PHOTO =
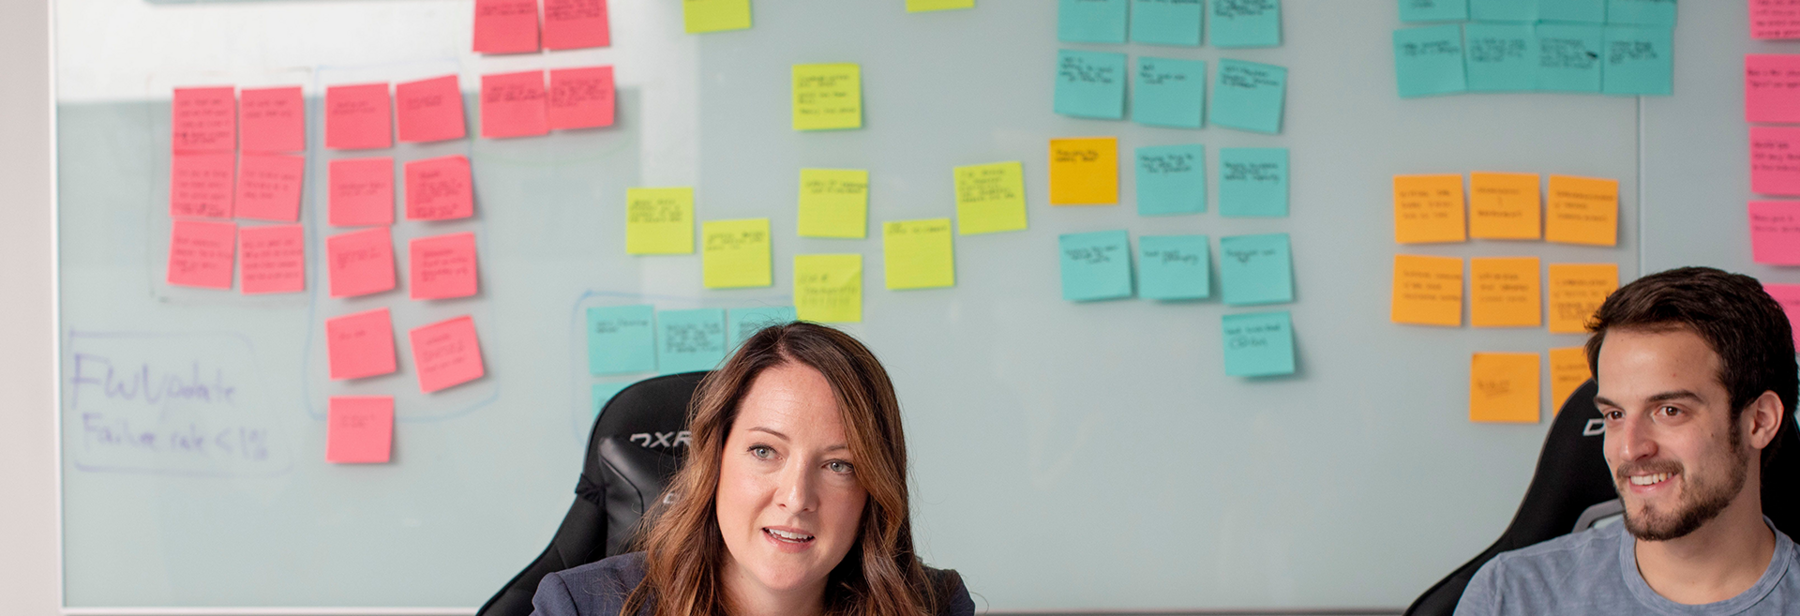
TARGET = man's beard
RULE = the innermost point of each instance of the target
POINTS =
(1701, 501)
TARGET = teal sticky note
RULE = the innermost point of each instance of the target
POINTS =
(1090, 84)
(1091, 21)
(689, 340)
(1244, 23)
(1253, 182)
(1174, 267)
(1641, 12)
(1166, 22)
(1569, 57)
(1582, 11)
(1095, 265)
(603, 393)
(1169, 92)
(1256, 269)
(1248, 96)
(1500, 57)
(1258, 344)
(1429, 60)
(745, 322)
(621, 339)
(1171, 179)
(1434, 10)
(1639, 60)
(1503, 10)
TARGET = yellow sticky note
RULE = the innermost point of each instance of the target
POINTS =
(828, 288)
(1428, 290)
(1568, 370)
(920, 6)
(701, 16)
(735, 253)
(990, 198)
(1576, 292)
(834, 203)
(659, 221)
(827, 96)
(917, 254)
(1582, 211)
(1505, 292)
(1503, 387)
(1504, 206)
(1428, 209)
(1084, 171)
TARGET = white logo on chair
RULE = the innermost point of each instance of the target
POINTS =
(652, 440)
(1594, 427)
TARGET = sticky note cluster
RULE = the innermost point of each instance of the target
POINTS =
(1513, 53)
(1228, 23)
(520, 104)
(445, 354)
(1171, 92)
(1502, 292)
(639, 338)
(1505, 206)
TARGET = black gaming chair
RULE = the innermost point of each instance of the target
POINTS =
(635, 447)
(1572, 488)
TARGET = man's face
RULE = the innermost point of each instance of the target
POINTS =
(1676, 456)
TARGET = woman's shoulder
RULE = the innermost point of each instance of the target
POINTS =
(594, 589)
(952, 595)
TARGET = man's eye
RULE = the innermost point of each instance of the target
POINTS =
(839, 466)
(1612, 415)
(1669, 411)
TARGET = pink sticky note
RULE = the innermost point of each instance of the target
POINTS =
(1772, 88)
(1774, 19)
(204, 119)
(359, 429)
(1775, 232)
(581, 97)
(438, 189)
(200, 184)
(512, 105)
(575, 24)
(360, 344)
(446, 353)
(274, 259)
(360, 262)
(1774, 160)
(442, 267)
(1788, 295)
(429, 109)
(274, 119)
(201, 254)
(362, 192)
(268, 186)
(356, 117)
(506, 26)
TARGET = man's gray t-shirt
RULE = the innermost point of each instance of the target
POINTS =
(1595, 572)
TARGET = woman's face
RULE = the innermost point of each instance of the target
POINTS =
(788, 499)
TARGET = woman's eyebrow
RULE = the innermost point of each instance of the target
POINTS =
(768, 430)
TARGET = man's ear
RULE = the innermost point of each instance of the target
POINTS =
(1764, 418)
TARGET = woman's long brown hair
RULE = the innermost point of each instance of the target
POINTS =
(684, 550)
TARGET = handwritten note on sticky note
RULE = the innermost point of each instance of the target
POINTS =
(742, 323)
(446, 354)
(1568, 370)
(1647, 12)
(361, 192)
(1084, 171)
(702, 16)
(1788, 295)
(356, 117)
(659, 221)
(921, 6)
(1428, 209)
(1501, 57)
(1582, 211)
(834, 203)
(506, 26)
(268, 186)
(359, 429)
(1772, 87)
(990, 198)
(203, 119)
(1775, 232)
(1258, 344)
(827, 96)
(1256, 269)
(201, 254)
(1429, 60)
(513, 105)
(1505, 206)
(1503, 10)
(1569, 57)
(1169, 92)
(1774, 19)
(1091, 21)
(576, 24)
(274, 259)
(1174, 267)
(828, 288)
(438, 189)
(442, 267)
(272, 119)
(1584, 11)
(1248, 96)
(918, 254)
(1096, 265)
(360, 262)
(1505, 292)
(1503, 387)
(621, 339)
(581, 98)
(690, 340)
(360, 345)
(1434, 10)
(1774, 160)
(1427, 290)
(200, 185)
(1167, 22)
(1090, 84)
(1244, 23)
(735, 253)
(1253, 182)
(1171, 180)
(1640, 60)
(602, 393)
(1576, 292)
(430, 110)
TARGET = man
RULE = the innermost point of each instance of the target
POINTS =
(1697, 380)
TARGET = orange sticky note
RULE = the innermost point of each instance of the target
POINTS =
(1428, 209)
(359, 429)
(443, 266)
(356, 117)
(200, 184)
(1583, 211)
(512, 105)
(203, 119)
(1428, 290)
(1576, 292)
(506, 26)
(1568, 370)
(1505, 292)
(1084, 171)
(360, 345)
(439, 189)
(446, 353)
(201, 254)
(274, 259)
(361, 192)
(581, 97)
(360, 262)
(1503, 387)
(268, 186)
(1504, 206)
(273, 119)
(429, 109)
(576, 24)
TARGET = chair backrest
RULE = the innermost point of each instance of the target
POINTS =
(634, 448)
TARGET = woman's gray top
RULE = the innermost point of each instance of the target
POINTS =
(600, 588)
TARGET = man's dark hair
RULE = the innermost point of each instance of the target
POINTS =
(1736, 318)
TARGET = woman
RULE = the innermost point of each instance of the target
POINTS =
(792, 500)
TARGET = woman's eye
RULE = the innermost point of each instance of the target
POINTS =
(762, 452)
(839, 466)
